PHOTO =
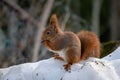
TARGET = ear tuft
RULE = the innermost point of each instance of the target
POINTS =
(53, 20)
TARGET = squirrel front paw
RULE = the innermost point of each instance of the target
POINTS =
(56, 56)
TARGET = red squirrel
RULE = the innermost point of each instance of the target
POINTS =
(70, 47)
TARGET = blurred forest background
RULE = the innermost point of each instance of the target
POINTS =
(22, 23)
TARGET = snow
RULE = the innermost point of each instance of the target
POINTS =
(107, 68)
(93, 70)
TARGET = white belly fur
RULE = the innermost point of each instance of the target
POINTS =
(61, 53)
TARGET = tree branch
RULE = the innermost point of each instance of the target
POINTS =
(67, 15)
(21, 13)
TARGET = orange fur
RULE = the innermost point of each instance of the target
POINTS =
(90, 44)
(68, 44)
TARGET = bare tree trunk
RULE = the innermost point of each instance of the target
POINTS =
(95, 16)
(41, 25)
(113, 20)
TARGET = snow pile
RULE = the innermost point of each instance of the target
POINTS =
(94, 69)
(52, 69)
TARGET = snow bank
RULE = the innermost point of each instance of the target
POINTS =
(52, 69)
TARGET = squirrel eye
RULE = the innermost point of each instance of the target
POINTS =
(48, 33)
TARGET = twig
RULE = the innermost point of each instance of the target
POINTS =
(65, 21)
(67, 15)
(22, 13)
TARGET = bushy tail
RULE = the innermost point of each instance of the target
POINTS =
(90, 44)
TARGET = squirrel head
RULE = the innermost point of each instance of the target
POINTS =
(52, 30)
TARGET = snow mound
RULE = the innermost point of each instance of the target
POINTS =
(52, 69)
(94, 69)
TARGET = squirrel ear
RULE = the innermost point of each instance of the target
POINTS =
(54, 20)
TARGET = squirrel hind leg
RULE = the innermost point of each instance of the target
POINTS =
(72, 56)
(67, 66)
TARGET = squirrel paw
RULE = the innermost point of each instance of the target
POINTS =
(56, 56)
(67, 66)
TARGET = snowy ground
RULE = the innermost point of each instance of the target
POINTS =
(107, 68)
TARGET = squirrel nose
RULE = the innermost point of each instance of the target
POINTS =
(42, 41)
